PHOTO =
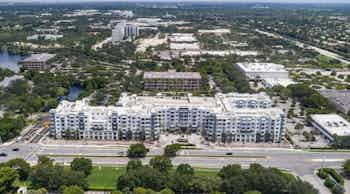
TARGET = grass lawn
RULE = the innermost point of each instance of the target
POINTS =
(104, 178)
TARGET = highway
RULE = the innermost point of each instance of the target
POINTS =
(299, 161)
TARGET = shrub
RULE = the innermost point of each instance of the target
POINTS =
(329, 182)
(322, 174)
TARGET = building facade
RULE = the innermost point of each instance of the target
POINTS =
(124, 31)
(330, 125)
(37, 62)
(269, 74)
(224, 118)
(171, 80)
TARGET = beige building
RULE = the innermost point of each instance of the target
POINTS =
(171, 80)
(38, 62)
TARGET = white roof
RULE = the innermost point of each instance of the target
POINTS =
(185, 46)
(262, 67)
(333, 123)
(43, 57)
(215, 31)
(221, 104)
(171, 75)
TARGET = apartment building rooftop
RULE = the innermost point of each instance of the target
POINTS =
(171, 75)
(221, 104)
(43, 57)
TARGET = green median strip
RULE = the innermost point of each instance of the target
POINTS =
(326, 150)
(151, 156)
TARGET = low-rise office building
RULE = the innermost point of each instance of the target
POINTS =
(269, 74)
(225, 118)
(171, 80)
(37, 62)
(331, 125)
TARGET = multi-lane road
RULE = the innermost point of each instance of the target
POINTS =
(302, 163)
(298, 161)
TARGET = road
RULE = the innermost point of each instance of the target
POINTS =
(298, 161)
(302, 163)
(304, 45)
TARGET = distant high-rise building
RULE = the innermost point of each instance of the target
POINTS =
(118, 32)
(123, 31)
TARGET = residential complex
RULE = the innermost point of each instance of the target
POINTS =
(340, 98)
(124, 30)
(171, 80)
(269, 74)
(331, 125)
(37, 62)
(228, 117)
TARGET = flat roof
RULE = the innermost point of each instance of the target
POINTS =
(262, 67)
(43, 57)
(333, 123)
(171, 75)
(339, 97)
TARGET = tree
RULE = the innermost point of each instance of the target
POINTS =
(230, 171)
(235, 185)
(346, 168)
(301, 187)
(38, 191)
(182, 180)
(145, 176)
(253, 192)
(171, 150)
(166, 191)
(82, 164)
(133, 165)
(21, 166)
(73, 190)
(161, 163)
(141, 190)
(7, 178)
(137, 151)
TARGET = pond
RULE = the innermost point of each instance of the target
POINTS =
(73, 92)
(10, 61)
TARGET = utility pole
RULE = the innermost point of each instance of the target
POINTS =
(0, 140)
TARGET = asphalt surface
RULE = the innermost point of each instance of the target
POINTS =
(298, 161)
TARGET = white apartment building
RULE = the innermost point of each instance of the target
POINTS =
(123, 31)
(229, 117)
(269, 74)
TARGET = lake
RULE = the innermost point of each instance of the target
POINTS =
(10, 61)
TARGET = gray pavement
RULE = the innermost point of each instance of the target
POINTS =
(298, 161)
(302, 163)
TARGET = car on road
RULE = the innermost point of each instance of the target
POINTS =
(229, 153)
(15, 149)
(3, 154)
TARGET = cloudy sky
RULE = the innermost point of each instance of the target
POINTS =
(262, 1)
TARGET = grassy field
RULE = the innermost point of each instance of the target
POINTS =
(105, 178)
